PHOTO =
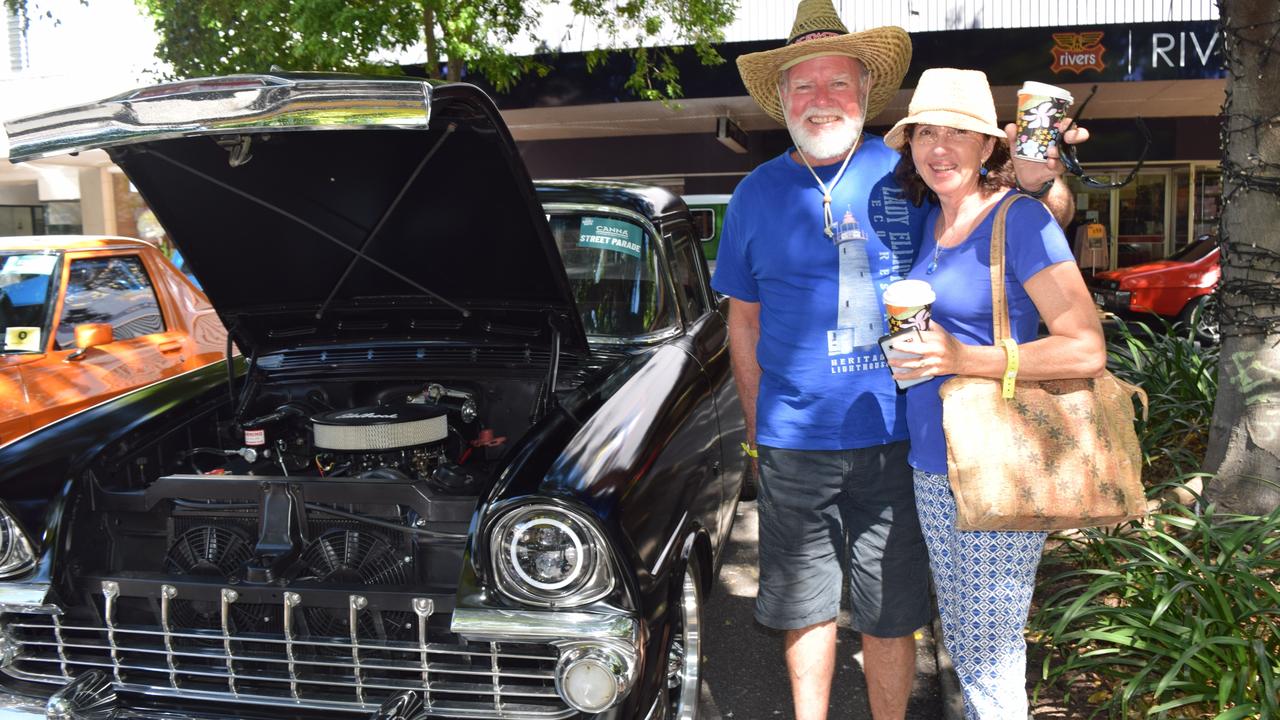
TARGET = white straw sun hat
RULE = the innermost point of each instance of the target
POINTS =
(817, 32)
(950, 98)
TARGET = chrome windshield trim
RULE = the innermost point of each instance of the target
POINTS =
(27, 598)
(651, 339)
(484, 624)
(222, 105)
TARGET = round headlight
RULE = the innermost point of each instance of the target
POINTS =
(548, 555)
(16, 556)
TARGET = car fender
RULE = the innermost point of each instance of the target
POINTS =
(40, 470)
(34, 466)
(642, 460)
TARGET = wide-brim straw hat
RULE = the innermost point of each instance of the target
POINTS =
(818, 31)
(950, 98)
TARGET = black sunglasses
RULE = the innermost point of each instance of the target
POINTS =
(1067, 153)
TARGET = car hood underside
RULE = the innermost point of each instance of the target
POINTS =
(340, 231)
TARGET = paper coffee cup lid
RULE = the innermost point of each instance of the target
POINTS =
(909, 293)
(1031, 87)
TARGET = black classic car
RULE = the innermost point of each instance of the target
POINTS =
(477, 456)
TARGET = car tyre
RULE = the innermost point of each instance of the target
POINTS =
(1200, 317)
(684, 653)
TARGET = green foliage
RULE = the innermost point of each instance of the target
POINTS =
(1181, 380)
(1176, 617)
(216, 37)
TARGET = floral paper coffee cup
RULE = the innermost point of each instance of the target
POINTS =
(907, 304)
(1040, 108)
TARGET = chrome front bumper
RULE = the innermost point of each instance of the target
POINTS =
(14, 707)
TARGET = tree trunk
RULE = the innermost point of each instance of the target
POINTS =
(429, 37)
(1244, 438)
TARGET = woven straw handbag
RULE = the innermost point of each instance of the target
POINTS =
(1059, 454)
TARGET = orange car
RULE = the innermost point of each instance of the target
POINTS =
(88, 318)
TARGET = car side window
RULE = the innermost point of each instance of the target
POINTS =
(704, 223)
(685, 257)
(114, 290)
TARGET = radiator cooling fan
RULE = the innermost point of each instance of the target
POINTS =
(213, 551)
(348, 557)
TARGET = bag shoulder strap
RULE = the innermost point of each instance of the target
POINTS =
(999, 301)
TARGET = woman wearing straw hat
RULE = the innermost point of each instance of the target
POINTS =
(953, 153)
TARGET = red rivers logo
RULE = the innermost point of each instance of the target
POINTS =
(1078, 52)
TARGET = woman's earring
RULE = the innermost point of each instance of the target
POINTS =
(982, 170)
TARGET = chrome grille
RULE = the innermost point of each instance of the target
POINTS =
(354, 674)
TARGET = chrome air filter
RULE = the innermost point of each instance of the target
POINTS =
(380, 427)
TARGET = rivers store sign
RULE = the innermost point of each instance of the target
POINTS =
(1106, 53)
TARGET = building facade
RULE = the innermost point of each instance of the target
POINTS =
(1160, 60)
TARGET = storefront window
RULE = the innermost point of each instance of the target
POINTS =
(63, 218)
(1181, 206)
(1208, 202)
(21, 220)
(1093, 207)
(1140, 235)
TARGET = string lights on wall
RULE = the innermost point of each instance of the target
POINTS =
(1249, 293)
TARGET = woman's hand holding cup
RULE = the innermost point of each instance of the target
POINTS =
(937, 352)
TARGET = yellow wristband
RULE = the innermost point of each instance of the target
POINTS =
(750, 451)
(1010, 368)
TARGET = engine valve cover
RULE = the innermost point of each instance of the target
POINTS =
(380, 427)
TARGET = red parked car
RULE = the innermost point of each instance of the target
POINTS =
(1179, 288)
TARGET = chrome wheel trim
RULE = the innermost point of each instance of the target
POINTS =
(1206, 321)
(684, 658)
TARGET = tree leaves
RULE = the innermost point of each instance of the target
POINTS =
(216, 37)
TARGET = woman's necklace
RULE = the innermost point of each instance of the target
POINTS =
(933, 264)
(937, 240)
(937, 252)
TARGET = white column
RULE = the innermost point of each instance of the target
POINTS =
(97, 202)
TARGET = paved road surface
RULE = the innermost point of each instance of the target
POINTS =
(743, 673)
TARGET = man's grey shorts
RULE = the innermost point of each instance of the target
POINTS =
(821, 511)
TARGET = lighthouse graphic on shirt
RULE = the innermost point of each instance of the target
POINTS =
(858, 321)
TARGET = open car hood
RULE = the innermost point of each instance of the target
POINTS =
(322, 209)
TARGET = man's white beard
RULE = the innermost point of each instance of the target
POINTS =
(829, 143)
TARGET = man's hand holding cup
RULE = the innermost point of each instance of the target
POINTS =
(1033, 138)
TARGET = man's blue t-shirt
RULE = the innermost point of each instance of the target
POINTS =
(824, 383)
(962, 283)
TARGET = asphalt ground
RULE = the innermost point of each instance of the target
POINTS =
(744, 676)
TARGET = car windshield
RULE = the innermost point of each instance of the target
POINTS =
(26, 299)
(1194, 251)
(614, 273)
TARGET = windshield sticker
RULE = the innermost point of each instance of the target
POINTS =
(26, 339)
(610, 234)
(29, 264)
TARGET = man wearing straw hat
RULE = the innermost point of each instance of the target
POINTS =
(810, 239)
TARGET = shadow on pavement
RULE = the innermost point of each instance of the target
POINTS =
(743, 672)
